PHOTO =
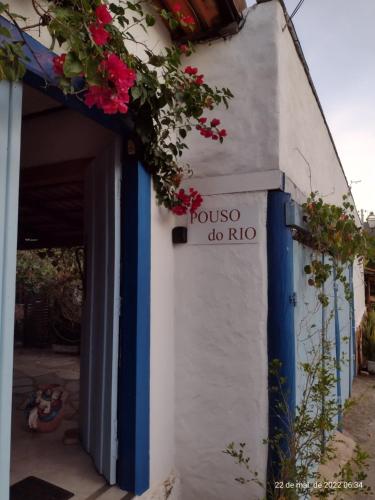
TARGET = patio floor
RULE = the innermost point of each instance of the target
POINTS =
(359, 422)
(45, 455)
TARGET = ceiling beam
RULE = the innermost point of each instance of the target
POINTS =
(43, 112)
(53, 174)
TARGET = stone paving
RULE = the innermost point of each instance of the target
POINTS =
(359, 422)
(45, 455)
(35, 367)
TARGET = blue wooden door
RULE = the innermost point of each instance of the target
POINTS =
(10, 133)
(100, 342)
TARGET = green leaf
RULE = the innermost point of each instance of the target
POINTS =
(173, 24)
(116, 9)
(156, 61)
(136, 93)
(3, 7)
(150, 20)
(4, 31)
(182, 133)
(72, 66)
(131, 6)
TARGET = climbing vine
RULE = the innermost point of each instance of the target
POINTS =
(337, 241)
(302, 436)
(107, 65)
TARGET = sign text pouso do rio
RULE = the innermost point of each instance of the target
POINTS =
(225, 226)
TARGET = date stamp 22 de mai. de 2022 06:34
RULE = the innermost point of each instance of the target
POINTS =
(320, 485)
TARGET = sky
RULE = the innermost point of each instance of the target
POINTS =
(338, 40)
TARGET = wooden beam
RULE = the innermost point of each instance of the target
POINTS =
(43, 112)
(38, 208)
(66, 172)
(73, 197)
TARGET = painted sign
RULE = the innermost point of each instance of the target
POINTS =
(223, 226)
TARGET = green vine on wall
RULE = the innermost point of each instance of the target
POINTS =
(337, 240)
(303, 438)
(106, 63)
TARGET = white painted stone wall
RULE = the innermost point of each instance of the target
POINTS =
(307, 154)
(247, 64)
(209, 303)
(162, 402)
(274, 123)
(221, 357)
(221, 291)
(359, 292)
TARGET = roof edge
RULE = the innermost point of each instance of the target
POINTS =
(300, 53)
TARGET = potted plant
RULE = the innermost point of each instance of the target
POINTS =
(369, 341)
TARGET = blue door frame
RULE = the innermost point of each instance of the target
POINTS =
(134, 355)
(282, 215)
(281, 337)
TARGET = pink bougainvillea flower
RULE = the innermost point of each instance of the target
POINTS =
(206, 132)
(106, 99)
(184, 49)
(188, 20)
(189, 70)
(96, 95)
(102, 14)
(179, 210)
(99, 34)
(196, 202)
(222, 133)
(199, 80)
(202, 120)
(58, 64)
(176, 8)
(114, 96)
(115, 104)
(215, 122)
(117, 71)
(185, 202)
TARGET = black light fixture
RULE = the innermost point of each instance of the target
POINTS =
(179, 235)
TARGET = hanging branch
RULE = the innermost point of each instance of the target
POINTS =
(166, 99)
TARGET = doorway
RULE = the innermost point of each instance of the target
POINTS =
(133, 412)
(69, 211)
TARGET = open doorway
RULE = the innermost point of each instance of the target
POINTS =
(65, 378)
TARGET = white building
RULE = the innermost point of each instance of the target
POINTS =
(201, 319)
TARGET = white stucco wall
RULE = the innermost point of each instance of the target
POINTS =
(162, 414)
(273, 123)
(221, 358)
(209, 303)
(306, 151)
(303, 132)
(221, 291)
(247, 65)
(359, 292)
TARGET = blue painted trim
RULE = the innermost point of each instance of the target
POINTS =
(134, 370)
(324, 339)
(40, 75)
(281, 335)
(338, 352)
(134, 355)
(353, 343)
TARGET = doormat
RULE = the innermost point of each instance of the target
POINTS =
(33, 488)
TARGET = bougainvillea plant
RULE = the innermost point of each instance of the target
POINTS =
(106, 64)
(334, 232)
